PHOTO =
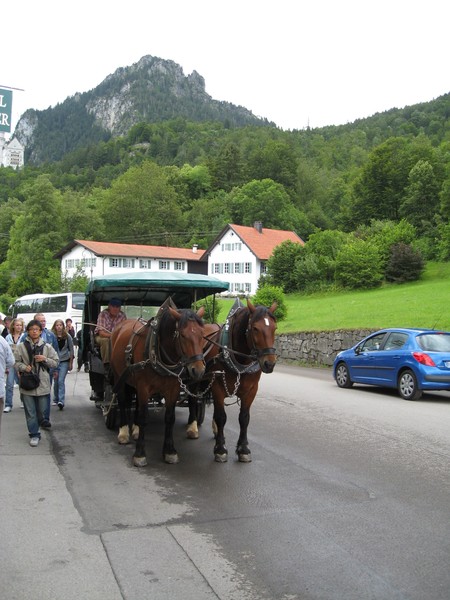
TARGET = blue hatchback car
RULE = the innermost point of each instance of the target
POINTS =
(410, 360)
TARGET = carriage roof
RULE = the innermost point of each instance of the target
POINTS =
(153, 289)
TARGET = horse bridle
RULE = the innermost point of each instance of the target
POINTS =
(184, 360)
(254, 351)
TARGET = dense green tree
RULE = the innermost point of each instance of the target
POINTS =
(10, 211)
(141, 207)
(421, 201)
(262, 200)
(280, 266)
(35, 236)
(275, 160)
(226, 168)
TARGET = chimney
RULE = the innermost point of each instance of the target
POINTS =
(195, 248)
(258, 226)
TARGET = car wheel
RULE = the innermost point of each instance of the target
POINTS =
(407, 386)
(343, 376)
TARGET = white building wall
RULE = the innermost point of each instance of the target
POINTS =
(231, 260)
(94, 265)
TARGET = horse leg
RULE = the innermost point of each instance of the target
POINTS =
(139, 457)
(192, 427)
(219, 419)
(123, 436)
(135, 424)
(242, 449)
(169, 453)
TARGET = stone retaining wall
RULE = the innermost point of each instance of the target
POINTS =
(316, 348)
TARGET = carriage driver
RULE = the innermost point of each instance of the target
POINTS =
(107, 321)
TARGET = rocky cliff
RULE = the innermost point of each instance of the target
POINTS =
(149, 91)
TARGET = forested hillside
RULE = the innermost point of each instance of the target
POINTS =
(355, 193)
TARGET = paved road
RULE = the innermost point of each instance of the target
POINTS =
(347, 497)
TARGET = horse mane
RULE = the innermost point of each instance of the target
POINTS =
(187, 314)
(262, 311)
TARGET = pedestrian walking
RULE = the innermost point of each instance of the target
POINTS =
(16, 330)
(66, 356)
(34, 356)
(6, 362)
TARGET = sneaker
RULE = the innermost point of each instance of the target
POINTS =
(60, 405)
(34, 441)
(55, 403)
(45, 424)
(7, 409)
(21, 405)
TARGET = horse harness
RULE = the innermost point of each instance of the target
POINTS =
(154, 353)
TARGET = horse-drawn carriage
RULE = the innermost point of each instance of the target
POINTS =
(166, 349)
(142, 295)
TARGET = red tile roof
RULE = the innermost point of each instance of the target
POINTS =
(140, 251)
(263, 244)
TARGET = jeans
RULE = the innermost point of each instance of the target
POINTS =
(59, 385)
(11, 378)
(34, 412)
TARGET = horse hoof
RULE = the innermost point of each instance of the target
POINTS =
(191, 434)
(124, 435)
(135, 432)
(139, 461)
(171, 459)
(245, 458)
(221, 458)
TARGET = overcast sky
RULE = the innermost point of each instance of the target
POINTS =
(297, 63)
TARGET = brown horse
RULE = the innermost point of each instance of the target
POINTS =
(154, 357)
(244, 348)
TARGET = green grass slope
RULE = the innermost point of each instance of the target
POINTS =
(424, 303)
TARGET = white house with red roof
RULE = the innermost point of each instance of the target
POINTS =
(238, 255)
(106, 258)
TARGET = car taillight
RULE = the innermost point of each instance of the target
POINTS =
(424, 359)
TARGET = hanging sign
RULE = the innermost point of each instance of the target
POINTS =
(5, 110)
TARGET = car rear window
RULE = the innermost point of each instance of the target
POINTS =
(434, 342)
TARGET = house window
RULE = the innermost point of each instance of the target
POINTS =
(125, 263)
(247, 267)
(145, 263)
(178, 265)
(88, 262)
(248, 288)
(237, 246)
(217, 268)
(228, 268)
(164, 265)
(263, 268)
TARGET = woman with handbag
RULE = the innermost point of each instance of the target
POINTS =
(34, 358)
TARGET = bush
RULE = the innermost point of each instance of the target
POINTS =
(404, 264)
(358, 265)
(269, 294)
(212, 308)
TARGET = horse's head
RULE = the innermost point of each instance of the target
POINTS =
(189, 332)
(261, 335)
